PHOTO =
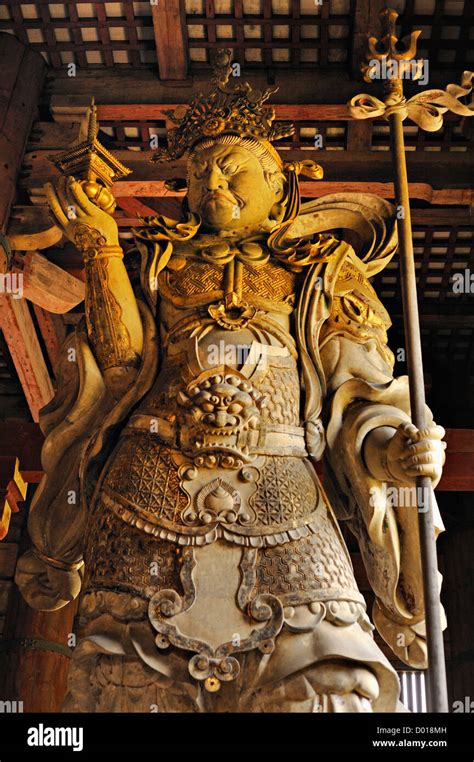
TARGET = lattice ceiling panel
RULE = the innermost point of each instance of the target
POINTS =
(440, 252)
(447, 30)
(136, 135)
(455, 136)
(271, 33)
(90, 35)
(263, 33)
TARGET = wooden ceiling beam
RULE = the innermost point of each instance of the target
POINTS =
(134, 207)
(32, 227)
(366, 21)
(291, 111)
(458, 473)
(20, 335)
(169, 24)
(47, 285)
(132, 86)
(63, 109)
(445, 170)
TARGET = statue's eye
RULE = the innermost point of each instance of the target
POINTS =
(230, 168)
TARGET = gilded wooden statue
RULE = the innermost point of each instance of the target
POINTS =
(228, 352)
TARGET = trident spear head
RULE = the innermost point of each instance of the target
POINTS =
(389, 50)
(392, 60)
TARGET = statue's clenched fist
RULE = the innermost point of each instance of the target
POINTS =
(75, 213)
(413, 452)
(402, 454)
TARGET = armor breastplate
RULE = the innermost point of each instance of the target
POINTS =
(240, 408)
(197, 277)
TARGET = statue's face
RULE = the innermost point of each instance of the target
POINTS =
(228, 188)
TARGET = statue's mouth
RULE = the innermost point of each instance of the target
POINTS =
(219, 197)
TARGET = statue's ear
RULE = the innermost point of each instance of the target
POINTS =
(277, 212)
(282, 186)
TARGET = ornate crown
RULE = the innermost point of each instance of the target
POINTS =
(237, 110)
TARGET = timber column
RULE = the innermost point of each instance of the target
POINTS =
(34, 652)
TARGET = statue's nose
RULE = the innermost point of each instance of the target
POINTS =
(215, 179)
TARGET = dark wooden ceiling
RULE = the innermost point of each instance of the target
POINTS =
(263, 33)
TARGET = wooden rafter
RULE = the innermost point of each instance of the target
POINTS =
(366, 21)
(52, 330)
(134, 207)
(47, 285)
(458, 474)
(169, 24)
(20, 335)
(452, 171)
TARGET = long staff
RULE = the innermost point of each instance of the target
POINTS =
(390, 64)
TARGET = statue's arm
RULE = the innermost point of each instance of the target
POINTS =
(96, 366)
(113, 321)
(373, 456)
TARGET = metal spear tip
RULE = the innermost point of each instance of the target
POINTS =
(389, 46)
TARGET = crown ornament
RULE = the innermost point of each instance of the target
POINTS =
(237, 109)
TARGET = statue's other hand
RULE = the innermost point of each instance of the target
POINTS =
(45, 587)
(75, 213)
(413, 452)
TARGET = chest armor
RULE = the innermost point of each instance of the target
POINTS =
(215, 271)
(228, 387)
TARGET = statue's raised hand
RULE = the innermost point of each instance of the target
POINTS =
(82, 221)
